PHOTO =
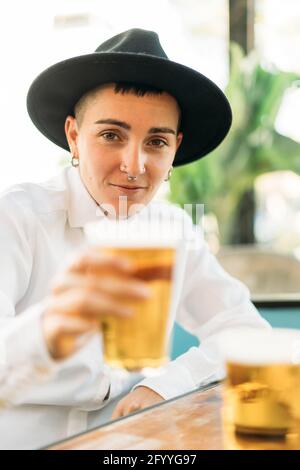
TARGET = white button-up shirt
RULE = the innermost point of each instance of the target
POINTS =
(42, 401)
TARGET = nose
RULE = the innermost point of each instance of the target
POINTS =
(133, 161)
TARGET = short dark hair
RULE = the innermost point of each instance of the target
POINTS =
(121, 87)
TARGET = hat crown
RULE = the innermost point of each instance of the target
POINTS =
(134, 41)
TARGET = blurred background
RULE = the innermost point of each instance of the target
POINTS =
(250, 186)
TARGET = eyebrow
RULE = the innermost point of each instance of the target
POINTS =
(161, 130)
(124, 125)
(115, 122)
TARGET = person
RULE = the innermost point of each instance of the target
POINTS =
(127, 114)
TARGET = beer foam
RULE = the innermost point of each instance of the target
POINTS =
(128, 234)
(261, 346)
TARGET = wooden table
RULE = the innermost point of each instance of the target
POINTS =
(192, 421)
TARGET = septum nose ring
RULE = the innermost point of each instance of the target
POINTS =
(130, 177)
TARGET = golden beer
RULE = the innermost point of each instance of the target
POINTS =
(262, 390)
(140, 341)
(263, 399)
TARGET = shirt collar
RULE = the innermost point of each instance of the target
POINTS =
(82, 208)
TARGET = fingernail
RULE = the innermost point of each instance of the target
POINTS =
(128, 312)
(144, 290)
(125, 263)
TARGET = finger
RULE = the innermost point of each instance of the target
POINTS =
(117, 413)
(60, 324)
(96, 261)
(125, 408)
(75, 302)
(64, 335)
(131, 409)
(122, 288)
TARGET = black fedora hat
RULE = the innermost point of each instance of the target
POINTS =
(132, 56)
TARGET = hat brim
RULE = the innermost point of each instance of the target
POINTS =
(206, 113)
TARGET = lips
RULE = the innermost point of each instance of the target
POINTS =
(125, 186)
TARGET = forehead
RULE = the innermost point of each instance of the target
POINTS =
(106, 100)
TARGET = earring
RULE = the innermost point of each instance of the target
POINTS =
(75, 161)
(169, 174)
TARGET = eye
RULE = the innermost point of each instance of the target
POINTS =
(110, 136)
(159, 143)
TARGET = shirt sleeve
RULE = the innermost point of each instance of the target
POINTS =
(211, 301)
(28, 375)
(23, 356)
(24, 360)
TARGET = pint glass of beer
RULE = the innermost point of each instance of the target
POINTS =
(141, 340)
(262, 390)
